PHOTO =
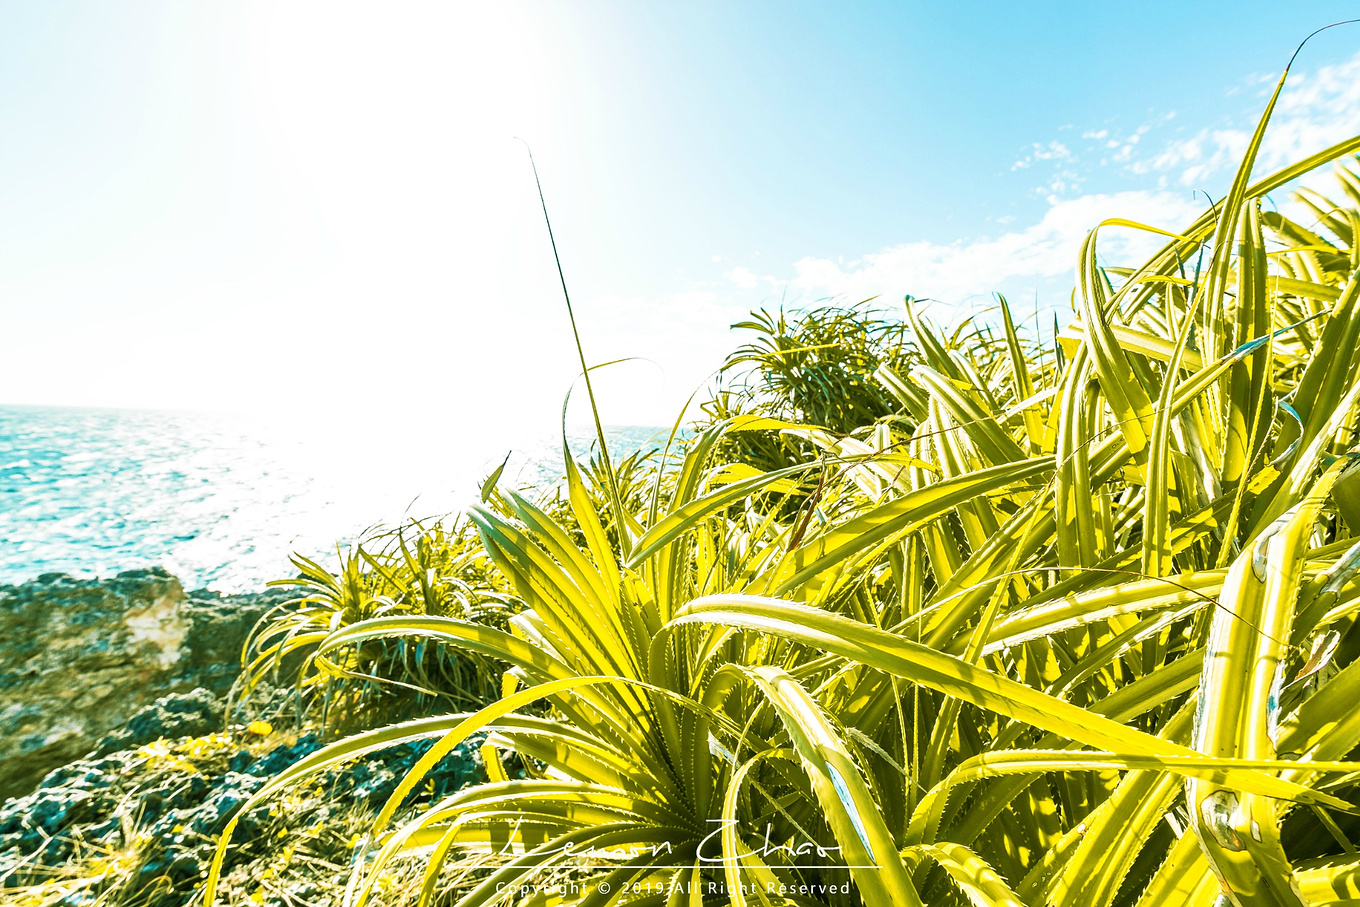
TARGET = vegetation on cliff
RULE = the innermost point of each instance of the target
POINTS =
(946, 619)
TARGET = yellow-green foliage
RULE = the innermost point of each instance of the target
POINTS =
(1066, 627)
(418, 570)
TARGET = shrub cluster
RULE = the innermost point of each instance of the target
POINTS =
(912, 617)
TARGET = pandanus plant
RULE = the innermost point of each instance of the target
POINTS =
(1074, 627)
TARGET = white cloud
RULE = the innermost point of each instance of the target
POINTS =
(1053, 151)
(955, 272)
(1315, 110)
(743, 278)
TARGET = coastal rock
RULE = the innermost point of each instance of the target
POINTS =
(216, 629)
(79, 658)
(190, 714)
(160, 807)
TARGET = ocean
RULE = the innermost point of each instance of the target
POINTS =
(221, 500)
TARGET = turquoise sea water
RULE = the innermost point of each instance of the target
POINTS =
(221, 500)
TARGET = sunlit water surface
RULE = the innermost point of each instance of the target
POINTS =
(221, 500)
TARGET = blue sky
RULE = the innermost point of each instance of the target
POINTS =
(282, 205)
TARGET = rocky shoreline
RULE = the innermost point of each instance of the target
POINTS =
(120, 765)
(79, 658)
